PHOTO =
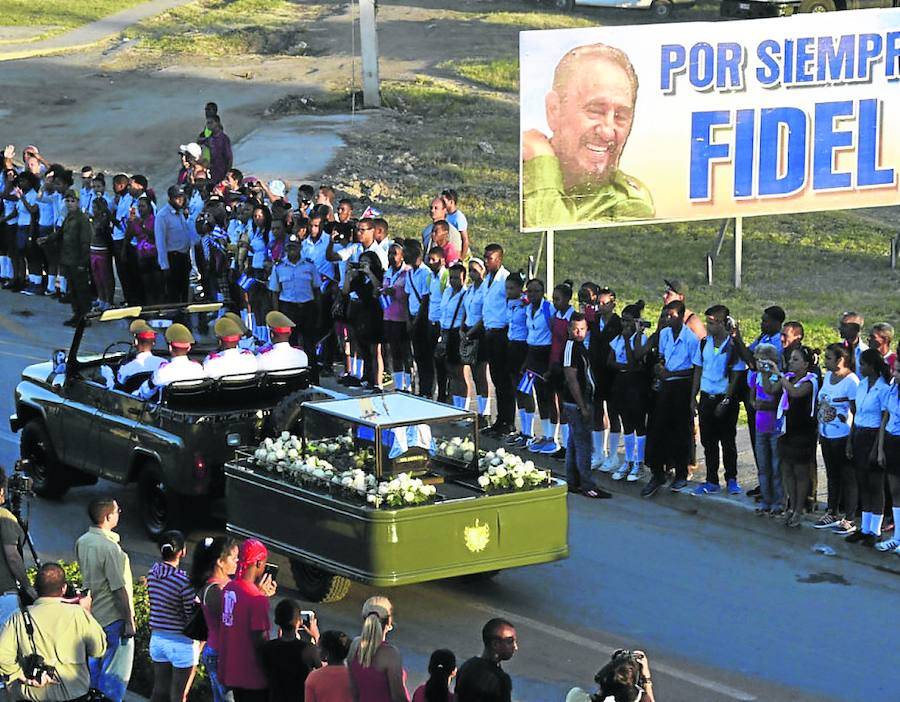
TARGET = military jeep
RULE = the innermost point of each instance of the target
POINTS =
(77, 426)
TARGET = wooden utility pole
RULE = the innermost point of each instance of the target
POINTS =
(368, 39)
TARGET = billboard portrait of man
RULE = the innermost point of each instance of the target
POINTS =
(572, 177)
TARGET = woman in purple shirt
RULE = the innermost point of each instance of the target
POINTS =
(396, 316)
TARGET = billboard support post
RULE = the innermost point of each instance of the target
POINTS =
(550, 261)
(368, 41)
(738, 249)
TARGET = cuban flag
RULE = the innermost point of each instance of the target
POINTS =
(245, 282)
(371, 213)
(526, 384)
(385, 301)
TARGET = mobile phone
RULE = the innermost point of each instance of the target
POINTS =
(306, 617)
(272, 571)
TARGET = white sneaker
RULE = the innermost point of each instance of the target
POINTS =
(635, 474)
(611, 463)
(622, 471)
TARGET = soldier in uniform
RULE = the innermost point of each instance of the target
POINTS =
(247, 341)
(280, 355)
(229, 360)
(144, 361)
(573, 177)
(178, 367)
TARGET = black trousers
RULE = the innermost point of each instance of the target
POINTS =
(669, 438)
(79, 289)
(177, 277)
(126, 268)
(498, 363)
(718, 430)
(423, 353)
(843, 491)
(440, 364)
(306, 316)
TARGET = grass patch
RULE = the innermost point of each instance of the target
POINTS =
(499, 74)
(217, 28)
(448, 135)
(61, 16)
(543, 19)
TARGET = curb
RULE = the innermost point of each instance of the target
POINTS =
(38, 52)
(735, 511)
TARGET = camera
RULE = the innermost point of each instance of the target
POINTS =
(641, 324)
(730, 323)
(19, 482)
(306, 617)
(74, 593)
(34, 667)
(354, 266)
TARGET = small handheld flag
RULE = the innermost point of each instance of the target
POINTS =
(245, 282)
(371, 213)
(526, 384)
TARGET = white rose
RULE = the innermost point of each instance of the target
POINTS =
(293, 453)
(519, 483)
(409, 496)
(501, 451)
(383, 489)
(268, 442)
(489, 456)
(451, 451)
(270, 457)
(529, 465)
(497, 461)
(347, 482)
(285, 435)
(484, 481)
(260, 454)
(500, 472)
(468, 456)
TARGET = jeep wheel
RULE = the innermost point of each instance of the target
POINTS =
(286, 414)
(44, 467)
(316, 585)
(161, 509)
(661, 9)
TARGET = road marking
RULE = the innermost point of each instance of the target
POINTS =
(568, 636)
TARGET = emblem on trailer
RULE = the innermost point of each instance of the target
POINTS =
(477, 536)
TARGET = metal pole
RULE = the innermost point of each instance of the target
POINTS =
(368, 43)
(550, 261)
(894, 252)
(709, 269)
(738, 249)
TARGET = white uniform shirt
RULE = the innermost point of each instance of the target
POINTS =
(144, 362)
(178, 368)
(230, 362)
(281, 356)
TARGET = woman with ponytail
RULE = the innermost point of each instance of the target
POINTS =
(172, 600)
(376, 669)
(441, 670)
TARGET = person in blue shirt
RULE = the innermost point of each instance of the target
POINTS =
(717, 407)
(174, 235)
(889, 457)
(26, 194)
(516, 350)
(669, 434)
(295, 293)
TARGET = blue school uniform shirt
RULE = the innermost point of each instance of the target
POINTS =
(540, 332)
(516, 320)
(681, 353)
(870, 403)
(417, 288)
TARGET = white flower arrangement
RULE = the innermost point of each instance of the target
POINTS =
(457, 448)
(402, 491)
(501, 470)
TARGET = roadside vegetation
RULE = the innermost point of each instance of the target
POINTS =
(220, 28)
(55, 16)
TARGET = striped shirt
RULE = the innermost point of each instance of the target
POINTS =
(172, 598)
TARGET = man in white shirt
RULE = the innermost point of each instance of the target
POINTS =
(145, 361)
(365, 241)
(229, 359)
(280, 355)
(179, 367)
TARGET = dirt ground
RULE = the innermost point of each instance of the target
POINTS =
(100, 107)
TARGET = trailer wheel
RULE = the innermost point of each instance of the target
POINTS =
(661, 9)
(286, 414)
(317, 585)
(817, 6)
(564, 5)
(44, 466)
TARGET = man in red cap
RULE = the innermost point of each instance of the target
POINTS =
(280, 355)
(245, 624)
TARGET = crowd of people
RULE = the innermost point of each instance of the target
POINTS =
(218, 612)
(570, 376)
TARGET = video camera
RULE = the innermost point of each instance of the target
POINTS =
(34, 667)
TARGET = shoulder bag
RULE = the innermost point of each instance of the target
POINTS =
(440, 349)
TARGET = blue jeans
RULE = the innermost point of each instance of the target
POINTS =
(768, 469)
(578, 451)
(111, 673)
(210, 659)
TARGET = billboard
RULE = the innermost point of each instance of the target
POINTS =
(709, 120)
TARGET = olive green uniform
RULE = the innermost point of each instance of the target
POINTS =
(549, 205)
(65, 635)
(74, 256)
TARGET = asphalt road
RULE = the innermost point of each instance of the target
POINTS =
(724, 613)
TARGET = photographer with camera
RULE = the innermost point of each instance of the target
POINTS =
(12, 565)
(44, 648)
(626, 678)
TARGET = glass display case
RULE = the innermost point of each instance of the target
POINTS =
(395, 433)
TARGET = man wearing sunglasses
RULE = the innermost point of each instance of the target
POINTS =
(481, 679)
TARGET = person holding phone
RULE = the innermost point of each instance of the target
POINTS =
(245, 624)
(289, 659)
